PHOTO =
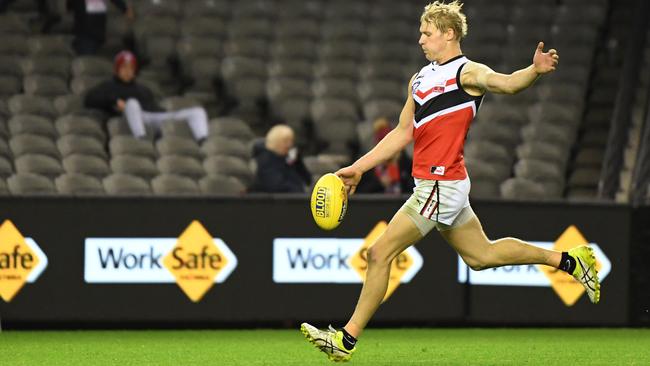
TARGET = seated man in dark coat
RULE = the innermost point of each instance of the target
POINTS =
(279, 169)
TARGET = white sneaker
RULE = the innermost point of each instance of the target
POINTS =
(328, 341)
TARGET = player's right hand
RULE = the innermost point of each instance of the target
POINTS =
(350, 175)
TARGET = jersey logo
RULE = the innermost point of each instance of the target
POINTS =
(438, 170)
(438, 88)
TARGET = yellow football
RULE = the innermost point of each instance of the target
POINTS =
(329, 201)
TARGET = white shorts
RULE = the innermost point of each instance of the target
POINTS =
(439, 203)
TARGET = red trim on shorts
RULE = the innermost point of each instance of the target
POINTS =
(434, 209)
(424, 208)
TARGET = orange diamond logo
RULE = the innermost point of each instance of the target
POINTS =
(564, 285)
(398, 268)
(195, 261)
(17, 261)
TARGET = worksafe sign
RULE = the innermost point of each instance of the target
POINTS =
(195, 260)
(21, 260)
(337, 260)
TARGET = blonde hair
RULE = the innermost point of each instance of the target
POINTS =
(444, 16)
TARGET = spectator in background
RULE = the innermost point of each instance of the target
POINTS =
(279, 168)
(122, 95)
(90, 23)
(393, 176)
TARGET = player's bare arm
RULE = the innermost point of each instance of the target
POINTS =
(477, 78)
(394, 142)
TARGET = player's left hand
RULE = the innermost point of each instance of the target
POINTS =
(545, 62)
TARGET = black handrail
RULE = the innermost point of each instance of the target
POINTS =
(620, 124)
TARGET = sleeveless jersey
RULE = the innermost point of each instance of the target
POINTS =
(443, 113)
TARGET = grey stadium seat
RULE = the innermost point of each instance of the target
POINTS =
(291, 69)
(70, 104)
(51, 66)
(125, 184)
(176, 145)
(4, 189)
(494, 132)
(340, 69)
(216, 145)
(9, 85)
(32, 144)
(48, 46)
(5, 167)
(380, 89)
(31, 104)
(11, 66)
(180, 165)
(79, 184)
(278, 89)
(332, 109)
(4, 148)
(134, 165)
(542, 132)
(13, 45)
(91, 66)
(539, 171)
(38, 164)
(522, 189)
(48, 86)
(79, 144)
(488, 151)
(297, 29)
(488, 170)
(230, 166)
(130, 145)
(31, 124)
(382, 70)
(170, 184)
(207, 27)
(584, 178)
(30, 184)
(298, 50)
(253, 48)
(390, 109)
(82, 84)
(230, 127)
(86, 164)
(544, 151)
(221, 185)
(340, 50)
(80, 125)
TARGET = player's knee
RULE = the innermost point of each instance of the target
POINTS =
(476, 263)
(378, 256)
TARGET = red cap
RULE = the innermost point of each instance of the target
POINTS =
(122, 57)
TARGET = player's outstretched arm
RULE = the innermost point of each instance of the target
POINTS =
(481, 78)
(391, 144)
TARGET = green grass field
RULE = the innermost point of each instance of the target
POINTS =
(288, 347)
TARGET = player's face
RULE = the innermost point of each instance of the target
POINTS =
(432, 41)
(286, 144)
(126, 72)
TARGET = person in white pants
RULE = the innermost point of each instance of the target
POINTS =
(122, 95)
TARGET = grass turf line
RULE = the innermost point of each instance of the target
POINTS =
(288, 347)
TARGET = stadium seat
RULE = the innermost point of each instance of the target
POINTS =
(230, 127)
(251, 48)
(340, 50)
(134, 165)
(31, 104)
(379, 89)
(208, 27)
(10, 85)
(217, 145)
(79, 184)
(544, 151)
(120, 145)
(81, 84)
(390, 109)
(176, 145)
(287, 68)
(180, 165)
(221, 185)
(331, 109)
(522, 189)
(212, 8)
(126, 185)
(538, 170)
(80, 144)
(86, 164)
(80, 125)
(32, 144)
(293, 29)
(38, 164)
(14, 45)
(229, 166)
(48, 86)
(58, 66)
(258, 28)
(170, 184)
(31, 124)
(11, 66)
(4, 149)
(93, 66)
(30, 184)
(5, 167)
(48, 46)
(4, 189)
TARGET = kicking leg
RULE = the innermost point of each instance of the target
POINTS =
(471, 243)
(479, 252)
(400, 234)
